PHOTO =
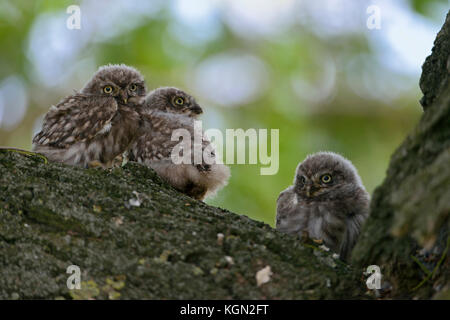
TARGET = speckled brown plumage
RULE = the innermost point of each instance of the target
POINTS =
(94, 124)
(154, 148)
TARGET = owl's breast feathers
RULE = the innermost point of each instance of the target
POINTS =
(126, 127)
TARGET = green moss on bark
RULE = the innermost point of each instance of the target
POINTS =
(53, 216)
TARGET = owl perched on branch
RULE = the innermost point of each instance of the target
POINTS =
(327, 202)
(166, 110)
(92, 127)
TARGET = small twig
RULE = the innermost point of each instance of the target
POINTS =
(442, 258)
(424, 269)
(432, 274)
(25, 152)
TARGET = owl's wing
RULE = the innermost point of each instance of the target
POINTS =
(207, 151)
(155, 141)
(76, 118)
(353, 221)
(157, 144)
(290, 218)
(151, 146)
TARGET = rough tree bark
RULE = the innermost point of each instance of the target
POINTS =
(53, 216)
(133, 236)
(407, 232)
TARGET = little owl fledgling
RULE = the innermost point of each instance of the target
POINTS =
(327, 201)
(165, 110)
(98, 123)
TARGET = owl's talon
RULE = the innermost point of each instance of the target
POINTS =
(304, 235)
(120, 160)
(95, 164)
(117, 162)
(318, 241)
(125, 159)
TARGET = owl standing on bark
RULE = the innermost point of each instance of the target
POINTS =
(327, 202)
(92, 127)
(165, 110)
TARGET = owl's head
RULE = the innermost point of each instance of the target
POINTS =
(122, 82)
(173, 100)
(326, 175)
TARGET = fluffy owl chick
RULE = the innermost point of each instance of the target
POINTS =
(96, 124)
(165, 110)
(327, 201)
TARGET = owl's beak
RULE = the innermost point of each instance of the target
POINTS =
(197, 109)
(308, 191)
(311, 189)
(124, 96)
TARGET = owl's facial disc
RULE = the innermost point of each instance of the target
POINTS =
(117, 92)
(135, 88)
(185, 104)
(123, 83)
(326, 175)
(311, 187)
(126, 95)
(121, 96)
(172, 100)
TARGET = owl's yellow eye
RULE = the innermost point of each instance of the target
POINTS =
(326, 178)
(108, 89)
(133, 87)
(179, 101)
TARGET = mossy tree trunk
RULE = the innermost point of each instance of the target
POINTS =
(407, 234)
